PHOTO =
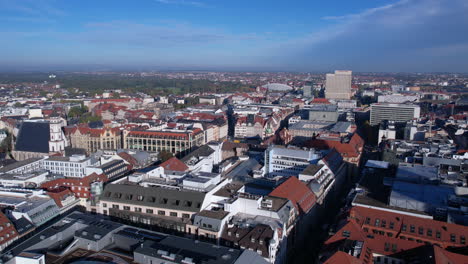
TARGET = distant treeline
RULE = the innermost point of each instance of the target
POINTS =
(93, 83)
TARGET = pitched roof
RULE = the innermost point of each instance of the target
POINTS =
(85, 181)
(59, 194)
(297, 192)
(174, 164)
(320, 101)
(342, 258)
(33, 137)
(442, 256)
(203, 151)
(351, 149)
(446, 229)
(183, 200)
(128, 158)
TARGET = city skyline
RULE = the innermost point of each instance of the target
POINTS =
(368, 36)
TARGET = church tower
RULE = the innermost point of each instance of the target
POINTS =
(57, 138)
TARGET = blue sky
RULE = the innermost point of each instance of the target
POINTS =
(309, 35)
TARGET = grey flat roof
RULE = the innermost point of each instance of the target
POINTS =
(290, 152)
(220, 214)
(311, 169)
(199, 252)
(377, 164)
(18, 164)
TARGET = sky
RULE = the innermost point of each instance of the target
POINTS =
(250, 35)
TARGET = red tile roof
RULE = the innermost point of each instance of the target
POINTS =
(411, 226)
(174, 164)
(351, 149)
(119, 100)
(7, 228)
(59, 194)
(128, 158)
(80, 182)
(342, 258)
(320, 101)
(389, 233)
(442, 256)
(297, 192)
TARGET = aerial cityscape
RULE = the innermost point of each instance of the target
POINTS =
(204, 132)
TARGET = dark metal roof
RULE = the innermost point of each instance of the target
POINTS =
(154, 197)
(33, 137)
(203, 151)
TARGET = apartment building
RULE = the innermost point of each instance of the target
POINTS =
(164, 208)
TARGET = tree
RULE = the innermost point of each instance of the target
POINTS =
(77, 111)
(5, 145)
(164, 155)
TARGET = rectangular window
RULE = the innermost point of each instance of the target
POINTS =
(173, 214)
(149, 211)
(160, 212)
(377, 222)
(126, 208)
(384, 223)
(412, 228)
(138, 209)
(421, 231)
(462, 240)
(452, 238)
(438, 234)
(115, 206)
(185, 216)
(392, 225)
(403, 227)
(429, 232)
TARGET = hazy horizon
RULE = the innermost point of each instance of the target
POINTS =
(303, 36)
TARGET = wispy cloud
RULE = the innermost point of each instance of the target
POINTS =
(34, 11)
(366, 12)
(411, 32)
(182, 2)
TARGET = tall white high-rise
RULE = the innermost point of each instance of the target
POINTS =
(338, 85)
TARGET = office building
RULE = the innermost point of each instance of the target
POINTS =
(307, 90)
(73, 166)
(281, 161)
(338, 85)
(393, 112)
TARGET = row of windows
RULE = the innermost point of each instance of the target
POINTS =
(62, 164)
(453, 237)
(148, 211)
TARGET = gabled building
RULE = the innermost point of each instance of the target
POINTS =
(39, 138)
(381, 236)
(8, 233)
(162, 208)
(86, 189)
(94, 139)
